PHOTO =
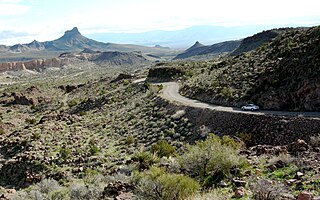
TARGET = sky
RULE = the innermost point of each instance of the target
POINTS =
(22, 21)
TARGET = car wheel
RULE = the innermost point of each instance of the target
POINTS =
(252, 109)
(242, 108)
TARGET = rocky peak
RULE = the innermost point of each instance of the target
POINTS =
(195, 46)
(72, 33)
(36, 45)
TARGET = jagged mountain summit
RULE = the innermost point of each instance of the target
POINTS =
(74, 40)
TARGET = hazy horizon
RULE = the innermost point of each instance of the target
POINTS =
(22, 21)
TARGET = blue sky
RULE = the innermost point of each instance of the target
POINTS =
(22, 21)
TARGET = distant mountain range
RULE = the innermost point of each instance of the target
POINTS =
(233, 48)
(182, 38)
(72, 41)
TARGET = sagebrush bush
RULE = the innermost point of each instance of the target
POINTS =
(211, 156)
(158, 184)
(85, 193)
(48, 185)
(163, 149)
(267, 190)
(91, 177)
(61, 194)
(315, 141)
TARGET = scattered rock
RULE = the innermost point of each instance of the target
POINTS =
(239, 183)
(239, 192)
(223, 184)
(305, 195)
(298, 175)
(298, 146)
(291, 182)
(116, 188)
(280, 164)
(178, 115)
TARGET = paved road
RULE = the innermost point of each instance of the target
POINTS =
(171, 93)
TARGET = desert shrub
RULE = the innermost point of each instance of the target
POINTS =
(226, 140)
(145, 159)
(267, 190)
(163, 149)
(285, 158)
(91, 177)
(216, 194)
(64, 153)
(245, 137)
(36, 136)
(210, 157)
(72, 103)
(48, 185)
(61, 194)
(158, 184)
(94, 149)
(130, 139)
(81, 192)
(315, 141)
(31, 121)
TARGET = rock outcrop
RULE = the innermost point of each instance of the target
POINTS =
(34, 64)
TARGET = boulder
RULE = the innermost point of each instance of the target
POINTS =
(239, 192)
(298, 146)
(305, 195)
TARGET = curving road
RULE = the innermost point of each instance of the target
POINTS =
(171, 93)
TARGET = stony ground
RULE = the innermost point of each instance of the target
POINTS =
(64, 133)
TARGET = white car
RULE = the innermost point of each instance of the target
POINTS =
(251, 107)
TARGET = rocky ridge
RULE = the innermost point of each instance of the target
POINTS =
(199, 49)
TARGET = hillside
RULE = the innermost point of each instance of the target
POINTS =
(253, 42)
(280, 75)
(199, 49)
(98, 134)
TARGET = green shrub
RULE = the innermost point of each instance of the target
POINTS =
(145, 159)
(158, 184)
(94, 149)
(2, 131)
(130, 139)
(64, 153)
(210, 157)
(36, 136)
(72, 103)
(163, 149)
(90, 177)
(245, 137)
(61, 194)
(31, 121)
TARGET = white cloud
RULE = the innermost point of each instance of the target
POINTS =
(12, 7)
